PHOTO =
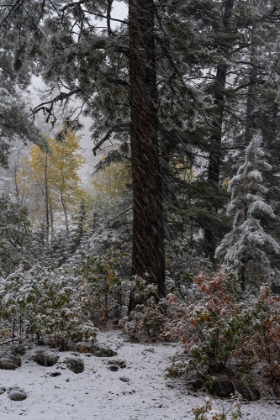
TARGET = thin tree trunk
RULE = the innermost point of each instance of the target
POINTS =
(47, 196)
(147, 247)
(215, 149)
(64, 212)
(51, 222)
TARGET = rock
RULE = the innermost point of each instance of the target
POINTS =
(222, 388)
(75, 364)
(114, 365)
(248, 393)
(45, 358)
(54, 374)
(195, 384)
(102, 352)
(225, 388)
(16, 394)
(10, 362)
(120, 363)
(2, 390)
(123, 379)
(20, 350)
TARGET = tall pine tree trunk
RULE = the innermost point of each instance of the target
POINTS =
(215, 149)
(250, 127)
(147, 247)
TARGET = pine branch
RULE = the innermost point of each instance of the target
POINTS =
(118, 128)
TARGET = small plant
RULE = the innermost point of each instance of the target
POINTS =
(105, 276)
(206, 412)
(148, 317)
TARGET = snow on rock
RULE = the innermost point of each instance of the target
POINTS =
(16, 394)
(138, 391)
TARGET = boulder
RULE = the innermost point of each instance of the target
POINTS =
(248, 393)
(222, 388)
(75, 364)
(16, 394)
(225, 388)
(19, 350)
(114, 365)
(2, 390)
(45, 358)
(10, 362)
(124, 379)
(54, 374)
(102, 352)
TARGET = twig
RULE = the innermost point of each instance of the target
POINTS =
(10, 341)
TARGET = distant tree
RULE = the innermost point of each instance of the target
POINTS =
(53, 177)
(17, 242)
(15, 121)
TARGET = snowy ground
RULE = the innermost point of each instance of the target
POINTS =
(99, 393)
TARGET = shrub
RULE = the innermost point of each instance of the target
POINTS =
(209, 326)
(206, 412)
(183, 264)
(106, 276)
(48, 304)
(149, 317)
(224, 331)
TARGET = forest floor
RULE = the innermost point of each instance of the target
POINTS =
(138, 391)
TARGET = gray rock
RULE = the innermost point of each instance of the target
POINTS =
(102, 352)
(119, 363)
(54, 374)
(20, 350)
(114, 365)
(124, 379)
(10, 362)
(224, 388)
(220, 387)
(45, 358)
(2, 390)
(16, 394)
(248, 393)
(75, 364)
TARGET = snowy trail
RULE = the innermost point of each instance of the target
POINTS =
(99, 393)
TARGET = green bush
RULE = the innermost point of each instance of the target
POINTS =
(47, 303)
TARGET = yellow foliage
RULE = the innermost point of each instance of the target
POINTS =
(53, 175)
(111, 183)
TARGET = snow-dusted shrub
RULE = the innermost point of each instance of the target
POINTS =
(149, 316)
(208, 326)
(263, 345)
(207, 412)
(183, 264)
(106, 276)
(47, 303)
(221, 329)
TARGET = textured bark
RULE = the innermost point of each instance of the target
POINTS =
(215, 150)
(147, 249)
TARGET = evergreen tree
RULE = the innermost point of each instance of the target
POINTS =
(18, 245)
(246, 250)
